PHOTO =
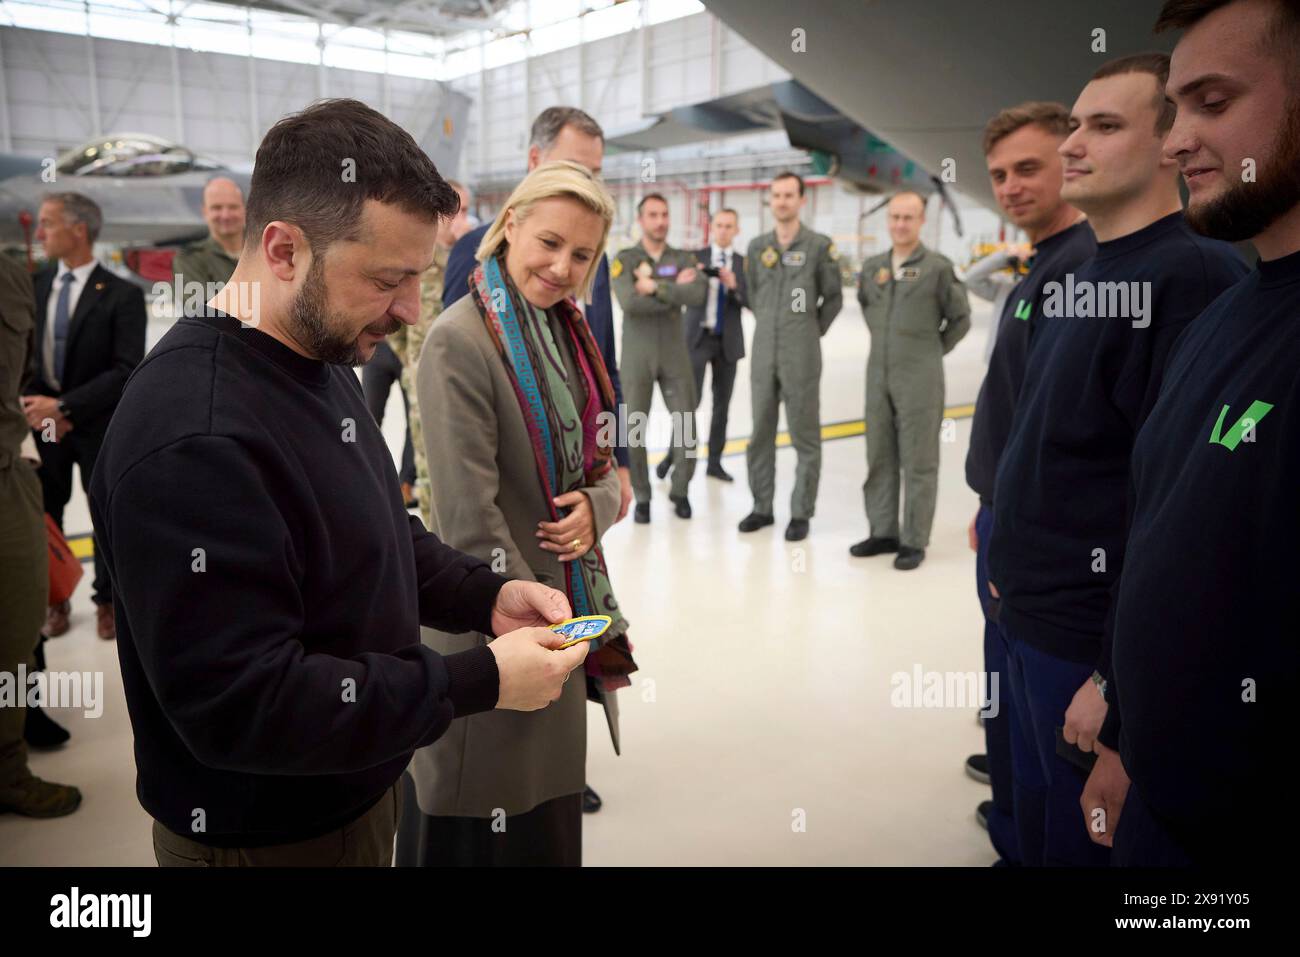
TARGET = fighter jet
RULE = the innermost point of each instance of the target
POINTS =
(150, 189)
(838, 146)
(927, 76)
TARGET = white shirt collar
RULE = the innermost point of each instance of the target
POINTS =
(82, 272)
(718, 249)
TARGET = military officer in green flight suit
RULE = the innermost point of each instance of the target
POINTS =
(794, 283)
(917, 311)
(212, 260)
(653, 283)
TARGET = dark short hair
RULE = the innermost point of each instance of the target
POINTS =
(734, 215)
(299, 175)
(646, 198)
(79, 208)
(789, 174)
(552, 121)
(1282, 39)
(1053, 118)
(1155, 64)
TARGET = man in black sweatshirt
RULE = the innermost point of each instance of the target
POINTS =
(1060, 497)
(1021, 149)
(270, 584)
(1208, 610)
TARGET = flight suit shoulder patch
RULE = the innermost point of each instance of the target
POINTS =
(616, 267)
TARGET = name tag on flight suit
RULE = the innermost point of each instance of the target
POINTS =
(794, 257)
(669, 270)
(908, 274)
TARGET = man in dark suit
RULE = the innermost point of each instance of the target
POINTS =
(714, 333)
(89, 336)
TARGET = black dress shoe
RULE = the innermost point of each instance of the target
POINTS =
(591, 801)
(977, 766)
(718, 472)
(909, 558)
(42, 732)
(982, 814)
(754, 521)
(873, 546)
(682, 506)
(797, 530)
(664, 467)
(642, 514)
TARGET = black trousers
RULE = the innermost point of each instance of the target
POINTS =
(377, 378)
(709, 352)
(80, 448)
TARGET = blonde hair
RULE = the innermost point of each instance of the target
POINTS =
(561, 178)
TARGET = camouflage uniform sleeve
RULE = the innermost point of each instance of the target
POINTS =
(830, 285)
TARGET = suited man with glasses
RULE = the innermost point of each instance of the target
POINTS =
(90, 329)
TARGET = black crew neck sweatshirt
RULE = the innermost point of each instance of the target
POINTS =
(1053, 258)
(1060, 512)
(269, 588)
(1208, 609)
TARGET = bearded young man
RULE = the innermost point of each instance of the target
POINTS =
(1204, 652)
(269, 582)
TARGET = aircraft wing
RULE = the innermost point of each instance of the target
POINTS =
(926, 76)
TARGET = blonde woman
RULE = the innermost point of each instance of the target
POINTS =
(511, 387)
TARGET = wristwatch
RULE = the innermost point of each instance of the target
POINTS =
(64, 410)
(1100, 682)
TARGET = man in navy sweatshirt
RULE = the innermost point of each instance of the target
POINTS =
(1204, 651)
(1021, 146)
(269, 582)
(1061, 491)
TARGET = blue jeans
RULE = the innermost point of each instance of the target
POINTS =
(1049, 820)
(997, 730)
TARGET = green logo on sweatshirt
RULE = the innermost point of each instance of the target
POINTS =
(1023, 309)
(1243, 430)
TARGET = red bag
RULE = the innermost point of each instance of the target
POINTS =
(65, 570)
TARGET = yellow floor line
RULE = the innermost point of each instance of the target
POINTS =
(83, 545)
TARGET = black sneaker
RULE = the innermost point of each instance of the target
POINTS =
(909, 558)
(591, 801)
(718, 472)
(982, 814)
(797, 530)
(664, 467)
(682, 506)
(42, 732)
(873, 546)
(977, 766)
(642, 514)
(754, 521)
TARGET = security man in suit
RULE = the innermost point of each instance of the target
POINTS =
(90, 327)
(714, 333)
(653, 281)
(213, 259)
(794, 290)
(917, 311)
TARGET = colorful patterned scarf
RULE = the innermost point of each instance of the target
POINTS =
(564, 438)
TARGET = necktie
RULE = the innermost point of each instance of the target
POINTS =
(722, 296)
(62, 319)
